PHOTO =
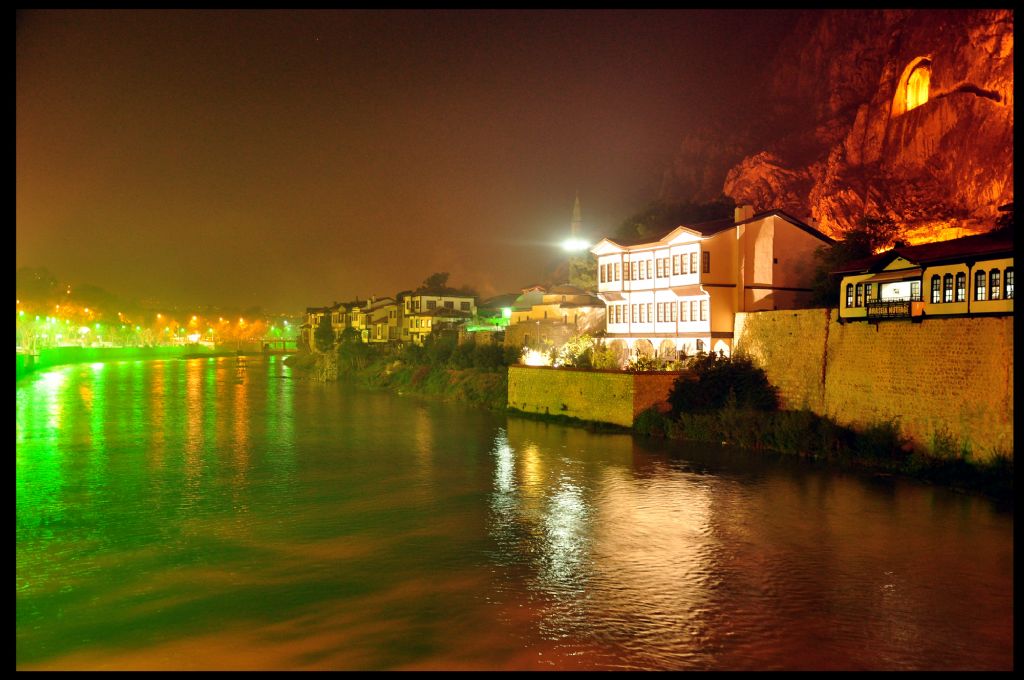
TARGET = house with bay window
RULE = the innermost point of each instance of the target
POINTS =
(681, 291)
(427, 311)
(968, 276)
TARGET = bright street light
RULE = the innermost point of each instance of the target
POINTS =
(574, 245)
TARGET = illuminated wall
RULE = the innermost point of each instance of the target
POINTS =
(936, 377)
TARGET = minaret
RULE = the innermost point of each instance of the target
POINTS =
(577, 221)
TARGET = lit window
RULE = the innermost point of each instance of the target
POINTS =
(649, 268)
(700, 345)
(660, 269)
(868, 290)
(693, 262)
(661, 312)
(936, 290)
(676, 264)
(979, 285)
(685, 261)
(650, 312)
(601, 270)
(947, 288)
(683, 316)
(961, 287)
(993, 284)
(703, 310)
(617, 271)
(693, 310)
(1008, 282)
(915, 291)
(706, 257)
(849, 295)
(860, 292)
(917, 85)
(672, 311)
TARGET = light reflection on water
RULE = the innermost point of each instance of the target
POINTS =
(217, 514)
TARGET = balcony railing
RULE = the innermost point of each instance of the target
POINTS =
(892, 308)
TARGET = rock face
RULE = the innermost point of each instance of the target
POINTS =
(837, 143)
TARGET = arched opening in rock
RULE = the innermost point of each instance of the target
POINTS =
(914, 86)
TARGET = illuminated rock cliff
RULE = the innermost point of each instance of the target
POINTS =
(903, 113)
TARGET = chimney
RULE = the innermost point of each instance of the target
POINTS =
(743, 212)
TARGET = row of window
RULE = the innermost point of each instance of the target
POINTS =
(642, 269)
(693, 310)
(414, 305)
(993, 285)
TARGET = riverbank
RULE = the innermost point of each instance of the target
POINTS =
(879, 449)
(486, 387)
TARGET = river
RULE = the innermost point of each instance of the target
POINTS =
(216, 513)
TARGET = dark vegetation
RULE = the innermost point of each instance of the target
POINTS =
(729, 401)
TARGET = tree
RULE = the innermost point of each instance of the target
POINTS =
(583, 271)
(660, 216)
(860, 241)
(323, 336)
(435, 280)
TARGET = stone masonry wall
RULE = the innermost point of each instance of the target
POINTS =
(937, 378)
(599, 396)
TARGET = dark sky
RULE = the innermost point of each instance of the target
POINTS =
(286, 159)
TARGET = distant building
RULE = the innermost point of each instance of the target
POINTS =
(549, 316)
(682, 290)
(439, 310)
(969, 276)
(383, 322)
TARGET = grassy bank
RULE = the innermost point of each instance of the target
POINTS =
(485, 386)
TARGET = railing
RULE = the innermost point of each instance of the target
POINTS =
(892, 308)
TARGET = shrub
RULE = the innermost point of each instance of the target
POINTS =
(711, 380)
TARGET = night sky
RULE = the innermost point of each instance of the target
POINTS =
(286, 159)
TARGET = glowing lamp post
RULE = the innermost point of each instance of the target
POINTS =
(575, 245)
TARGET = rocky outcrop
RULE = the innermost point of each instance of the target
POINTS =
(840, 145)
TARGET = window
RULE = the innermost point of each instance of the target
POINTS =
(632, 267)
(979, 285)
(660, 269)
(661, 311)
(915, 290)
(1008, 283)
(917, 85)
(666, 266)
(676, 264)
(860, 293)
(672, 311)
(706, 262)
(650, 310)
(947, 288)
(849, 295)
(601, 271)
(616, 271)
(700, 345)
(961, 287)
(685, 261)
(993, 284)
(464, 306)
(868, 290)
(937, 289)
(649, 268)
(693, 310)
(693, 262)
(703, 310)
(632, 309)
(683, 316)
(449, 304)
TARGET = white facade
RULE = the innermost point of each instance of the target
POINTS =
(682, 291)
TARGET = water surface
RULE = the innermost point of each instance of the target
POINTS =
(218, 514)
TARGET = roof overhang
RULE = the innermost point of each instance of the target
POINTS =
(895, 275)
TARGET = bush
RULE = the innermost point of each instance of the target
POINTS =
(712, 379)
